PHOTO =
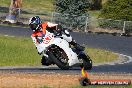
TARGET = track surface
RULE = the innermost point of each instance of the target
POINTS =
(114, 43)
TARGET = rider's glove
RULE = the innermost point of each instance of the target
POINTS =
(39, 40)
(57, 32)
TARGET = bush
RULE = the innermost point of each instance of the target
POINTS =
(117, 10)
(115, 24)
(109, 23)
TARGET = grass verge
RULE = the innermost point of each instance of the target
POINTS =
(21, 52)
(100, 55)
(32, 5)
(17, 52)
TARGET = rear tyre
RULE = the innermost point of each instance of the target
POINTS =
(59, 57)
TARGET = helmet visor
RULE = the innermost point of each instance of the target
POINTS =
(33, 26)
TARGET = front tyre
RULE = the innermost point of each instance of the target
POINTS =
(87, 63)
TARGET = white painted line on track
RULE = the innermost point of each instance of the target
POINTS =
(129, 59)
(9, 36)
(26, 67)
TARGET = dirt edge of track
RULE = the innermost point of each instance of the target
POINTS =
(37, 80)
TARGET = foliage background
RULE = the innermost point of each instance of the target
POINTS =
(117, 10)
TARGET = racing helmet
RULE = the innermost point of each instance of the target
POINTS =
(34, 23)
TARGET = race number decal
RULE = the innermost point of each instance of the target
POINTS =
(47, 39)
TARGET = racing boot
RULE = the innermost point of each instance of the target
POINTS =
(45, 61)
(77, 46)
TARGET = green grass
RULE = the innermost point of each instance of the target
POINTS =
(38, 5)
(45, 87)
(5, 3)
(22, 52)
(18, 52)
(94, 13)
(100, 55)
(32, 5)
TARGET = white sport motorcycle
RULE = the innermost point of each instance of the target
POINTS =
(56, 50)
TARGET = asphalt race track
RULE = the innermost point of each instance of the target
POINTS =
(116, 44)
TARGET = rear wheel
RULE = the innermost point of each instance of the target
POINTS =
(59, 57)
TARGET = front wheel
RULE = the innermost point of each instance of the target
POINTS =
(59, 57)
(87, 62)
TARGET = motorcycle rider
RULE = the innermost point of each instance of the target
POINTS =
(39, 30)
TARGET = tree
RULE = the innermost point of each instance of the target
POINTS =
(96, 5)
(117, 9)
(14, 10)
(72, 11)
(73, 7)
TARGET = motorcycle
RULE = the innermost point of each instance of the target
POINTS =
(56, 50)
